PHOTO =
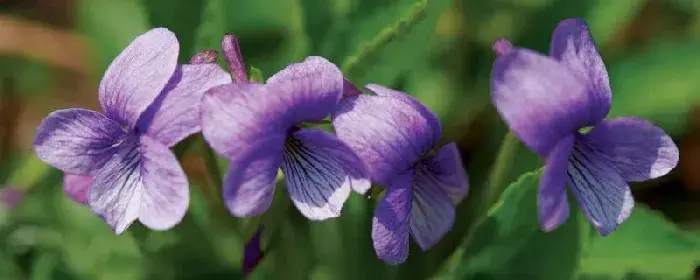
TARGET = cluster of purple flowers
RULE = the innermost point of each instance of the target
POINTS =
(119, 162)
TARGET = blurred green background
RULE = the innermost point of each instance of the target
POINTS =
(53, 53)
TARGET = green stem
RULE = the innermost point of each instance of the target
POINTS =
(495, 184)
(363, 57)
(499, 171)
(212, 166)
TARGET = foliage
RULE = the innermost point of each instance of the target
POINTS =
(437, 50)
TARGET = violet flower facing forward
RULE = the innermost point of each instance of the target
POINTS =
(123, 155)
(547, 100)
(258, 128)
(397, 137)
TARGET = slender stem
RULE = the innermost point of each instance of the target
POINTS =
(499, 170)
(363, 57)
(212, 166)
(495, 184)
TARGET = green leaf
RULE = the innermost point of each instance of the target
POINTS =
(256, 75)
(370, 49)
(659, 84)
(181, 17)
(647, 245)
(262, 32)
(509, 244)
(110, 26)
(605, 18)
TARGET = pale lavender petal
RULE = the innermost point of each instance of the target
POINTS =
(320, 171)
(208, 56)
(77, 187)
(639, 150)
(234, 59)
(388, 132)
(175, 114)
(142, 182)
(237, 116)
(166, 194)
(390, 225)
(445, 169)
(433, 211)
(115, 193)
(602, 193)
(553, 206)
(138, 74)
(573, 45)
(540, 99)
(310, 89)
(429, 116)
(77, 141)
(249, 184)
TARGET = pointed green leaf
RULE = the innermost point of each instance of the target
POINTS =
(659, 84)
(256, 75)
(647, 245)
(509, 244)
(369, 51)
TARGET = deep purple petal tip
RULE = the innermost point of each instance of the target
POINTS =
(253, 253)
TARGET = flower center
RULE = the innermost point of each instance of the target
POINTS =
(585, 130)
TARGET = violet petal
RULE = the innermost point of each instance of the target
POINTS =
(249, 185)
(553, 207)
(77, 187)
(138, 74)
(390, 225)
(602, 193)
(145, 182)
(310, 88)
(77, 141)
(252, 254)
(539, 99)
(320, 171)
(433, 212)
(639, 150)
(573, 45)
(237, 116)
(175, 114)
(446, 170)
(389, 132)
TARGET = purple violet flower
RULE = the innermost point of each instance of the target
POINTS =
(252, 253)
(258, 128)
(76, 186)
(397, 137)
(10, 197)
(547, 100)
(123, 156)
